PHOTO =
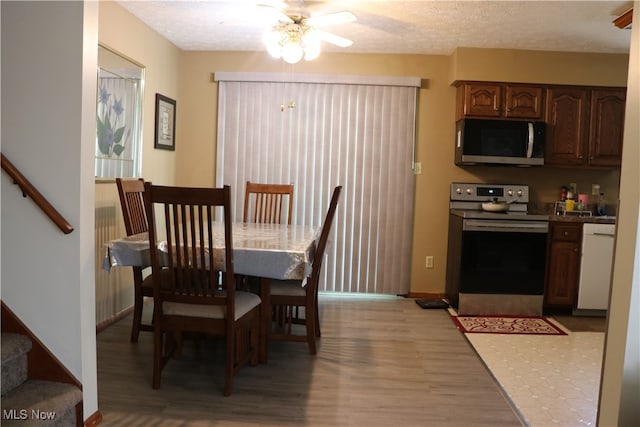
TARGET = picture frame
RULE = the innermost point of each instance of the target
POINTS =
(165, 134)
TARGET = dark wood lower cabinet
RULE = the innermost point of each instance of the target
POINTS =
(563, 265)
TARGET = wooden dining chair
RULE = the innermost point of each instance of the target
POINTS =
(191, 295)
(263, 203)
(135, 221)
(295, 301)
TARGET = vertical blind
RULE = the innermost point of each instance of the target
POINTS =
(316, 134)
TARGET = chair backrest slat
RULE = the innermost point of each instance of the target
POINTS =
(263, 203)
(190, 229)
(131, 193)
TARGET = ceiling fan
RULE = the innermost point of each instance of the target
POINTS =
(295, 34)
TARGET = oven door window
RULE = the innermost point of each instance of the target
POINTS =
(503, 263)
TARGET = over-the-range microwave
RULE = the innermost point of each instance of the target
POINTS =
(499, 142)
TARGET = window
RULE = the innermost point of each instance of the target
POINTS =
(119, 116)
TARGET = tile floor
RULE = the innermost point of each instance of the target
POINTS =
(552, 380)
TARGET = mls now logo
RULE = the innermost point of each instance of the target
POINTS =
(24, 414)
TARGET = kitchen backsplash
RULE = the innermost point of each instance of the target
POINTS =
(550, 208)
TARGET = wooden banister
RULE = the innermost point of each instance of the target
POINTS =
(624, 21)
(29, 190)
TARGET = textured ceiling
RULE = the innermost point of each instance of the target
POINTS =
(414, 27)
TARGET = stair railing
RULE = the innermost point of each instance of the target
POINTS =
(29, 190)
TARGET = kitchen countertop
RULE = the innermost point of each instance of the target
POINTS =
(583, 219)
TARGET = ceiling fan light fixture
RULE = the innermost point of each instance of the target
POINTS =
(311, 45)
(292, 42)
(311, 53)
(272, 42)
(292, 52)
(295, 36)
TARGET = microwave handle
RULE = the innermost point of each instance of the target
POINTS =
(530, 142)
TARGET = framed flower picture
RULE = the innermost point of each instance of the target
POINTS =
(165, 123)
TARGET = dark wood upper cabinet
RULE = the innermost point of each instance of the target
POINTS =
(524, 102)
(567, 116)
(606, 131)
(498, 100)
(584, 126)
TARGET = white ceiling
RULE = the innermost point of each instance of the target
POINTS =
(412, 27)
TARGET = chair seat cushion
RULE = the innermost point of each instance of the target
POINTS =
(292, 288)
(245, 301)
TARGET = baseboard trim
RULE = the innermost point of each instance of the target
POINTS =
(93, 420)
(110, 321)
(424, 295)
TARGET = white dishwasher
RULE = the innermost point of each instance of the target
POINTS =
(595, 266)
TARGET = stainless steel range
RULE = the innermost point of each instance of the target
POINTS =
(496, 260)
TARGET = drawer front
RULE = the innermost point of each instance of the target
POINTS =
(568, 232)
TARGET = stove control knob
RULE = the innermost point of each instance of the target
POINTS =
(458, 190)
(469, 191)
(509, 193)
(520, 193)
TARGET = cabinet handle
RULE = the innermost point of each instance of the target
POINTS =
(566, 234)
(575, 250)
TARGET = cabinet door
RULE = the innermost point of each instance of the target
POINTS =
(524, 102)
(607, 127)
(482, 100)
(566, 133)
(563, 270)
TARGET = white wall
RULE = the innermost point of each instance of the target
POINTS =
(49, 62)
(620, 384)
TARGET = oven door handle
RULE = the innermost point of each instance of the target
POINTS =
(506, 226)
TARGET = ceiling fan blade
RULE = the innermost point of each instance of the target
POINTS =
(331, 19)
(334, 39)
(274, 14)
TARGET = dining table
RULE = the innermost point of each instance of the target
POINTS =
(266, 251)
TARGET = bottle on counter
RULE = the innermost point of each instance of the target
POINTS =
(563, 193)
(602, 208)
(570, 205)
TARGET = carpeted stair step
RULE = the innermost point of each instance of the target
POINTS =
(14, 360)
(41, 403)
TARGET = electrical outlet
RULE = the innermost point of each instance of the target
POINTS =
(429, 261)
(595, 189)
(417, 168)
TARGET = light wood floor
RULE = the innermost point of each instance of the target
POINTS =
(381, 362)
